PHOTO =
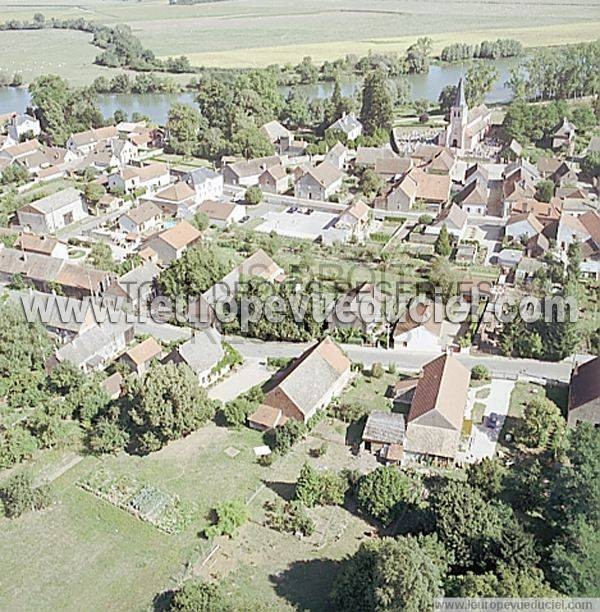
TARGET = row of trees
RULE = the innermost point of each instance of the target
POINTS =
(487, 49)
(557, 74)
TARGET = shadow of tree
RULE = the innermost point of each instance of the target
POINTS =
(285, 490)
(292, 583)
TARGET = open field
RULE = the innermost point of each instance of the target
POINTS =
(258, 33)
(84, 553)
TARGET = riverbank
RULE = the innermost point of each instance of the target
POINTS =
(156, 106)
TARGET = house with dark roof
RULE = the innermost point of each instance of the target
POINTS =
(584, 394)
(246, 173)
(473, 198)
(564, 135)
(45, 273)
(207, 183)
(436, 415)
(310, 382)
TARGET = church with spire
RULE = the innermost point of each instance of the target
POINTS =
(467, 127)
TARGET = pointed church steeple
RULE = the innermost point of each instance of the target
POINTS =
(460, 100)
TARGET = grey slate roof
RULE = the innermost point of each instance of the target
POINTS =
(203, 351)
(56, 201)
(199, 176)
(384, 427)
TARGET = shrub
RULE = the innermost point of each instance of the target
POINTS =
(290, 517)
(480, 372)
(107, 437)
(230, 516)
(19, 495)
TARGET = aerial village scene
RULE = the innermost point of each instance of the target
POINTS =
(299, 305)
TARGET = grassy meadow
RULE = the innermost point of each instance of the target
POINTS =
(83, 553)
(238, 33)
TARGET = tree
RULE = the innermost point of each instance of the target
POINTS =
(480, 372)
(93, 192)
(417, 55)
(503, 582)
(24, 347)
(183, 126)
(574, 261)
(443, 276)
(201, 221)
(101, 256)
(380, 492)
(254, 195)
(237, 411)
(250, 142)
(590, 165)
(542, 424)
(230, 516)
(487, 477)
(377, 108)
(19, 495)
(406, 573)
(107, 437)
(469, 526)
(575, 487)
(370, 182)
(286, 436)
(479, 81)
(308, 486)
(197, 595)
(63, 110)
(15, 174)
(544, 191)
(574, 564)
(193, 273)
(166, 404)
(443, 244)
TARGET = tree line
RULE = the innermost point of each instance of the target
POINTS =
(487, 49)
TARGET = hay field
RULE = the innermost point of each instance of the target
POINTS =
(259, 32)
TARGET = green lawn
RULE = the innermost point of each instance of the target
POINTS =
(84, 553)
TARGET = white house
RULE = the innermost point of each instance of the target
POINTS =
(453, 218)
(21, 126)
(84, 143)
(141, 219)
(418, 330)
(52, 213)
(349, 124)
(222, 214)
(152, 177)
(207, 183)
(523, 225)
